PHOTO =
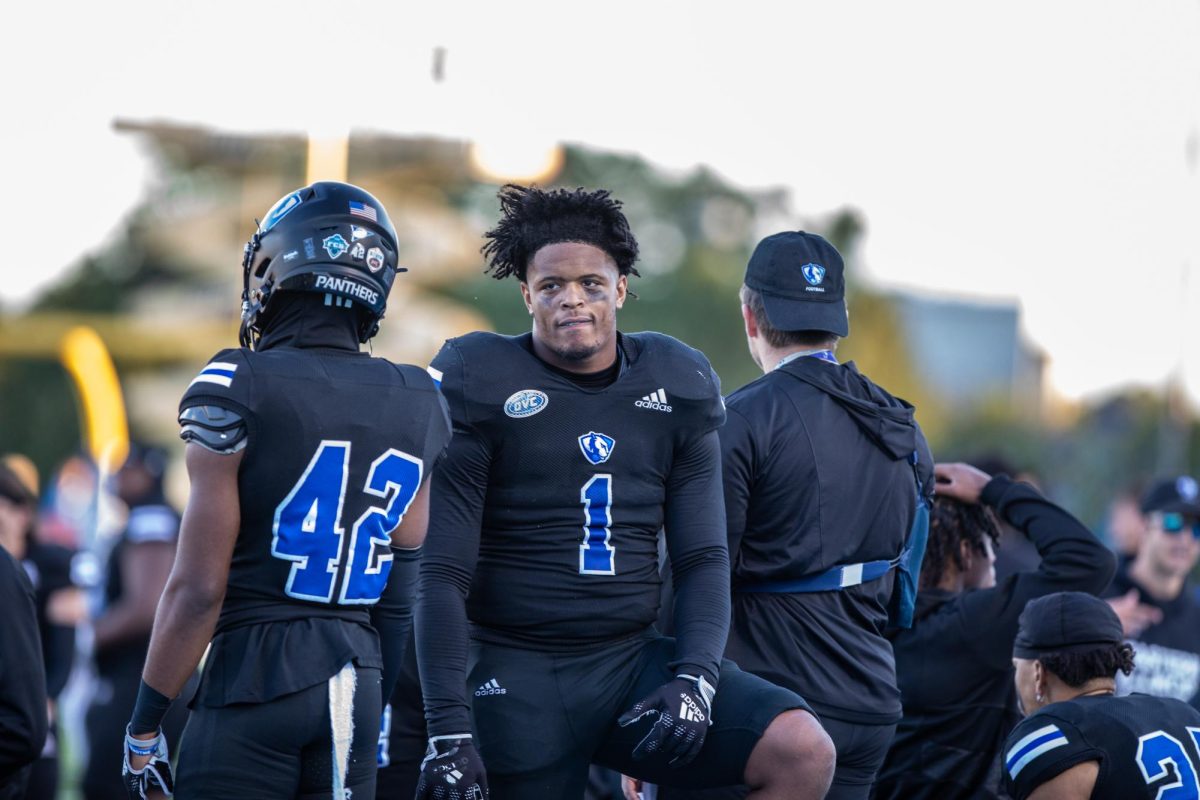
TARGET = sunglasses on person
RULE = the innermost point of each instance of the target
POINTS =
(1174, 523)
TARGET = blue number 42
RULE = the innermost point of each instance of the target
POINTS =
(308, 526)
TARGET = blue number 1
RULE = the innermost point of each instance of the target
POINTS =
(308, 530)
(596, 554)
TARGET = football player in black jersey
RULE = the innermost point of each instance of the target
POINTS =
(308, 462)
(1079, 740)
(573, 446)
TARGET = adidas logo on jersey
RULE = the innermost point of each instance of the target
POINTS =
(491, 687)
(689, 710)
(656, 400)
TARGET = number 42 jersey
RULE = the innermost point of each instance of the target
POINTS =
(338, 444)
(1147, 747)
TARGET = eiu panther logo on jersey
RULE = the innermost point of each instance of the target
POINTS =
(596, 447)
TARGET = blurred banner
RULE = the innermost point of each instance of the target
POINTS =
(102, 407)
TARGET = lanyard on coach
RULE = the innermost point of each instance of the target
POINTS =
(823, 355)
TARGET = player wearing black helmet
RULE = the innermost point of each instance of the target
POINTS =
(308, 462)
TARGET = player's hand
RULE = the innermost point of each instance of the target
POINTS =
(146, 767)
(682, 711)
(959, 482)
(452, 770)
(1135, 615)
(631, 788)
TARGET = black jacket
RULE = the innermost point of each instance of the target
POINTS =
(817, 474)
(22, 679)
(955, 665)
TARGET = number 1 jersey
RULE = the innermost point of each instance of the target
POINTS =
(575, 483)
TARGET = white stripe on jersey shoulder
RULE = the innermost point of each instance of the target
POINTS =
(1041, 741)
(436, 374)
(218, 372)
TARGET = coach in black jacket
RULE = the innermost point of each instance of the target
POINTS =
(23, 718)
(821, 471)
(955, 665)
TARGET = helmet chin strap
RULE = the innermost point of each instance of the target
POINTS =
(246, 331)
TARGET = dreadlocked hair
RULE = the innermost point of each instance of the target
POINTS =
(1076, 669)
(952, 522)
(532, 218)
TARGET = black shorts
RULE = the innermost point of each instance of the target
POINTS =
(541, 718)
(296, 747)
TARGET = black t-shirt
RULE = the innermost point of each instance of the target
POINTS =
(49, 570)
(816, 478)
(954, 666)
(151, 521)
(1147, 747)
(547, 508)
(22, 681)
(338, 445)
(1168, 654)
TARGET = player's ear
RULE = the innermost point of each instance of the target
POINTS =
(751, 324)
(527, 297)
(622, 289)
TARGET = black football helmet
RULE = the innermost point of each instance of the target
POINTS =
(330, 237)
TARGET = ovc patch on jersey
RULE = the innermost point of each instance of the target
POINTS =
(219, 372)
(1030, 747)
(596, 447)
(525, 403)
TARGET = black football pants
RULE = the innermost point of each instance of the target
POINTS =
(303, 746)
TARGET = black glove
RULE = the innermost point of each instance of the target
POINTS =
(156, 775)
(452, 770)
(683, 708)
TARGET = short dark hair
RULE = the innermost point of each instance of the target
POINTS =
(775, 337)
(532, 218)
(950, 523)
(1076, 669)
(14, 489)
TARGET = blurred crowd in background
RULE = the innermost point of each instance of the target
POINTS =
(95, 532)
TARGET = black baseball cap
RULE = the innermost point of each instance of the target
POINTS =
(1180, 495)
(802, 282)
(1066, 622)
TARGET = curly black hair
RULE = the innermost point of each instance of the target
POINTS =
(1076, 669)
(951, 522)
(532, 218)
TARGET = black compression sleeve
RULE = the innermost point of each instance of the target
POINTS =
(392, 616)
(149, 709)
(1072, 560)
(451, 550)
(695, 531)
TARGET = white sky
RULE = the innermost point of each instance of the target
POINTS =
(1026, 150)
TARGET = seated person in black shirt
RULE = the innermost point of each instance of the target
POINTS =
(1169, 647)
(954, 666)
(1080, 741)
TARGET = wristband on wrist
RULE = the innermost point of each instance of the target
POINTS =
(142, 747)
